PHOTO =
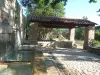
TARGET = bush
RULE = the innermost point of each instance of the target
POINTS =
(79, 33)
(96, 43)
(97, 35)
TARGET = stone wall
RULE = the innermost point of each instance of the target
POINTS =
(19, 28)
(89, 34)
(55, 44)
(7, 13)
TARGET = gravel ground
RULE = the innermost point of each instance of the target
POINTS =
(78, 62)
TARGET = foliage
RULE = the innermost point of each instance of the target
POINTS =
(97, 35)
(30, 3)
(41, 8)
(42, 34)
(48, 8)
(27, 30)
(98, 11)
(96, 43)
(85, 17)
(97, 27)
(16, 13)
(79, 33)
(62, 31)
(94, 1)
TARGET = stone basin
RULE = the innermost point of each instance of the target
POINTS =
(16, 68)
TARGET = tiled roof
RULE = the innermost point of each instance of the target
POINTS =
(58, 20)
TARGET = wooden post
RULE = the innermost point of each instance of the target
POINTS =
(86, 35)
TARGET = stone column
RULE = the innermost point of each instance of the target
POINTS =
(89, 34)
(33, 32)
(71, 34)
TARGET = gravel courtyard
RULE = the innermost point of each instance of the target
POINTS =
(78, 62)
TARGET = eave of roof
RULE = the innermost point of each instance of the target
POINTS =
(52, 21)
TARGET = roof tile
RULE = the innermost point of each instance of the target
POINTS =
(53, 19)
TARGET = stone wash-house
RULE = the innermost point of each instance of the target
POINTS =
(11, 26)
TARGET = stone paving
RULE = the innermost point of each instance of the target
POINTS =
(78, 62)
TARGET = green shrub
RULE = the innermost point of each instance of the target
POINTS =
(97, 35)
(79, 33)
(96, 43)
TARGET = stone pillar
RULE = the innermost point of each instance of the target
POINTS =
(71, 34)
(89, 34)
(33, 32)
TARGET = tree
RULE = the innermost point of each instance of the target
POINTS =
(97, 33)
(31, 3)
(44, 8)
(85, 17)
(94, 1)
(47, 10)
(98, 11)
(79, 33)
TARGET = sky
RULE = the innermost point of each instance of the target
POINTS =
(80, 8)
